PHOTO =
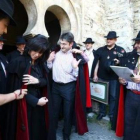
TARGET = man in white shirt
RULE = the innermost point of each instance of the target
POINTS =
(90, 53)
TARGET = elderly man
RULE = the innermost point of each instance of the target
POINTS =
(132, 100)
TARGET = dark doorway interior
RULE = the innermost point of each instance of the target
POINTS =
(53, 28)
(21, 19)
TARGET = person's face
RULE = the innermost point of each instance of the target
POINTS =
(35, 55)
(3, 26)
(65, 46)
(88, 46)
(137, 46)
(21, 47)
(1, 45)
(111, 42)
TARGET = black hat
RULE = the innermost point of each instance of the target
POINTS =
(7, 7)
(20, 40)
(137, 38)
(75, 45)
(2, 39)
(88, 40)
(111, 34)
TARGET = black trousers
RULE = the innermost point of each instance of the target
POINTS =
(64, 93)
(113, 85)
(132, 116)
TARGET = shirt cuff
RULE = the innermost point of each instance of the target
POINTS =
(75, 72)
(49, 65)
(85, 56)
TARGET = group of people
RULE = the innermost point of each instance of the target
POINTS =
(49, 83)
(28, 69)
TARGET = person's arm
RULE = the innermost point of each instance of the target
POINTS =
(95, 65)
(136, 79)
(34, 101)
(50, 60)
(95, 77)
(5, 98)
(122, 81)
(75, 64)
(29, 80)
(82, 53)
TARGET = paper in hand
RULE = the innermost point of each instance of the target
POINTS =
(123, 72)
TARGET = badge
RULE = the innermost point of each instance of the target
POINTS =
(115, 52)
(122, 51)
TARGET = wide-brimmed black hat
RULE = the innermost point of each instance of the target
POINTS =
(2, 39)
(137, 38)
(88, 40)
(20, 40)
(7, 7)
(111, 34)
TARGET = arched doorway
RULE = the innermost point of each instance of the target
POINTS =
(56, 22)
(21, 19)
(53, 27)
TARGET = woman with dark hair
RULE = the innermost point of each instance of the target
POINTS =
(30, 68)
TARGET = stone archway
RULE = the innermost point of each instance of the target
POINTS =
(36, 12)
(56, 22)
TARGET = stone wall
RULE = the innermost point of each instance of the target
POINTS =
(88, 18)
(93, 23)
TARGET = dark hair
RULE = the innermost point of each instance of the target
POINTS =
(40, 44)
(3, 15)
(67, 36)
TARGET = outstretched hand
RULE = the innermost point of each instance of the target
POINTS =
(75, 63)
(28, 79)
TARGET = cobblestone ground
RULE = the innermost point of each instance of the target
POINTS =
(97, 131)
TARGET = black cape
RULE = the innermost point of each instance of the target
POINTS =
(3, 80)
(16, 69)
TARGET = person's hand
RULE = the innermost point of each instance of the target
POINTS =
(42, 101)
(95, 78)
(122, 81)
(20, 93)
(28, 79)
(136, 79)
(51, 57)
(75, 63)
(116, 61)
(77, 51)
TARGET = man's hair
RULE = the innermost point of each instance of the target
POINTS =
(3, 15)
(67, 36)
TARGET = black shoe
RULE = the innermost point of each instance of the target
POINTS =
(65, 137)
(100, 116)
(111, 119)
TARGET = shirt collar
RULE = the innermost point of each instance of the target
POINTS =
(68, 52)
(112, 48)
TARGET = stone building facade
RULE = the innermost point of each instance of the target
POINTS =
(84, 18)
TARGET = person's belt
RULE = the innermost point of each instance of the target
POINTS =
(64, 83)
(136, 92)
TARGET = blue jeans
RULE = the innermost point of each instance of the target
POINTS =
(113, 85)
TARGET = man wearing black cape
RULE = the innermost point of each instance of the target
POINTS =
(70, 85)
(128, 123)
